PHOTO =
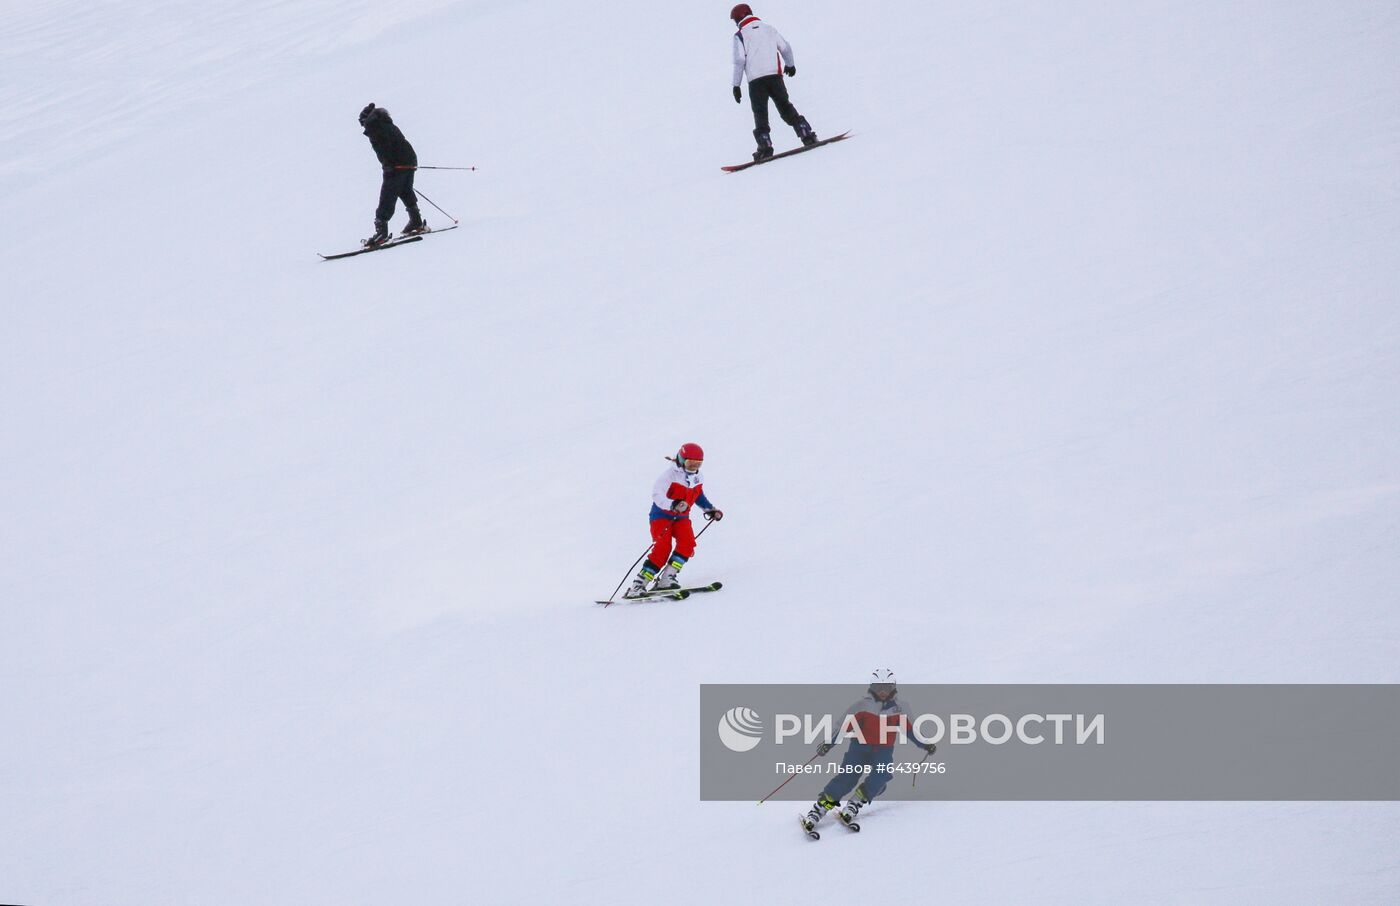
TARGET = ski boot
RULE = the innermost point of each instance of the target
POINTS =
(804, 132)
(381, 235)
(668, 580)
(818, 811)
(765, 145)
(416, 223)
(852, 808)
(639, 584)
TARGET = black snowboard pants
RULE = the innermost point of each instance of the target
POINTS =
(761, 90)
(397, 184)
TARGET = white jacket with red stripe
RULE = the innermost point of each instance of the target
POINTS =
(759, 51)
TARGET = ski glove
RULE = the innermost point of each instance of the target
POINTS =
(825, 747)
(790, 70)
(928, 747)
(714, 513)
(738, 95)
(680, 506)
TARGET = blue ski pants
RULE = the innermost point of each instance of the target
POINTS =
(858, 757)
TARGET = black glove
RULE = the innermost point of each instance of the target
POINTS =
(790, 70)
(738, 95)
(364, 114)
(716, 514)
(825, 747)
(680, 506)
(928, 747)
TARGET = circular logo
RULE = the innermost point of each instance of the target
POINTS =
(740, 729)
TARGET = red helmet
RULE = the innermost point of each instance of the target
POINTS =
(740, 12)
(689, 457)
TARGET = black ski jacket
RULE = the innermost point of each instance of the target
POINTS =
(392, 149)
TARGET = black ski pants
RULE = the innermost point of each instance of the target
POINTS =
(761, 90)
(397, 184)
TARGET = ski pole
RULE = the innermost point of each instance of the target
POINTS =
(434, 204)
(927, 756)
(420, 167)
(625, 575)
(789, 780)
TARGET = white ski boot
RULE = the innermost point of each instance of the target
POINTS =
(814, 816)
(668, 580)
(851, 809)
(639, 584)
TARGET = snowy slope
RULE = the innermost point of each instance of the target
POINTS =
(1090, 332)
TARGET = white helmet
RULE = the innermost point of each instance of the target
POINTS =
(882, 681)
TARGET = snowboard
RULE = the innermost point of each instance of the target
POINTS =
(754, 163)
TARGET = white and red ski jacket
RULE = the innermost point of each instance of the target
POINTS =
(878, 723)
(759, 51)
(677, 484)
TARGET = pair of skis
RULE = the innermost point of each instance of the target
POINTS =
(673, 594)
(848, 820)
(391, 244)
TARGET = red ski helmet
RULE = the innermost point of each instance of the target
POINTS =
(740, 13)
(688, 454)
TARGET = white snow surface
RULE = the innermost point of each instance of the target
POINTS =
(1078, 363)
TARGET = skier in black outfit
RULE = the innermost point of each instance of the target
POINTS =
(399, 161)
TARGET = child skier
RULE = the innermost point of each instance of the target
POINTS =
(879, 718)
(761, 53)
(676, 492)
(399, 161)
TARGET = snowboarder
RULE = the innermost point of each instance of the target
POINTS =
(764, 55)
(878, 718)
(676, 492)
(399, 161)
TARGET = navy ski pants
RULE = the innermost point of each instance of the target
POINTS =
(397, 184)
(861, 755)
